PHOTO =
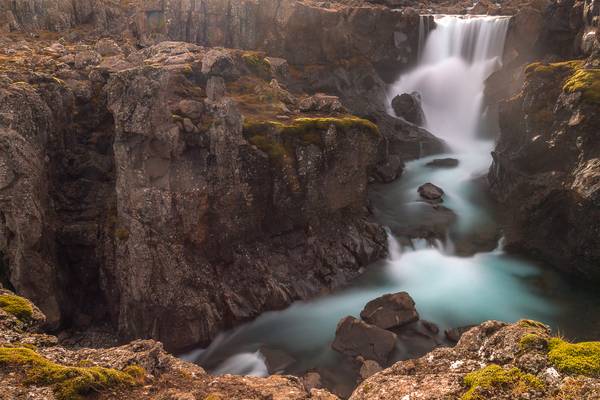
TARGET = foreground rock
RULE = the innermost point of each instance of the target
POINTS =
(141, 369)
(408, 106)
(494, 360)
(390, 311)
(354, 337)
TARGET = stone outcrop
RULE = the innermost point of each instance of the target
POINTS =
(169, 204)
(494, 360)
(545, 170)
(140, 369)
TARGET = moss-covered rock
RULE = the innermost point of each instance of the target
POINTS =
(532, 341)
(257, 64)
(483, 382)
(68, 383)
(17, 306)
(586, 81)
(575, 358)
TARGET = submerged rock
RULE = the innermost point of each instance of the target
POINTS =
(443, 163)
(408, 106)
(390, 311)
(431, 192)
(354, 337)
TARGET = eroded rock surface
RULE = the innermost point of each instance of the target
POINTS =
(494, 360)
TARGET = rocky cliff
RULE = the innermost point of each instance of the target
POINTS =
(545, 170)
(176, 190)
(136, 182)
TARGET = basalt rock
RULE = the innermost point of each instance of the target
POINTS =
(140, 369)
(354, 337)
(545, 169)
(494, 360)
(137, 182)
(390, 311)
(408, 106)
(431, 193)
(443, 163)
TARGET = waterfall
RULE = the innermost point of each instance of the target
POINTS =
(458, 56)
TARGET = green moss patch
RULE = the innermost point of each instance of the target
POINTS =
(257, 64)
(575, 358)
(559, 67)
(483, 382)
(586, 81)
(18, 306)
(531, 341)
(68, 383)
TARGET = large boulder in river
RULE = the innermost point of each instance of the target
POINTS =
(354, 337)
(408, 106)
(390, 311)
(443, 163)
(431, 192)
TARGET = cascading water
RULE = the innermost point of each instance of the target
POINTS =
(451, 291)
(459, 54)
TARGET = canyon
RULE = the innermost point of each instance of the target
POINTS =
(172, 171)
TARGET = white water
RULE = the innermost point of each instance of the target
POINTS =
(448, 290)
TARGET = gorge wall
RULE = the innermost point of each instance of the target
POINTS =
(545, 170)
(175, 190)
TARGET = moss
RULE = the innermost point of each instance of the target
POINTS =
(552, 68)
(122, 233)
(531, 341)
(575, 358)
(17, 306)
(257, 64)
(213, 396)
(495, 377)
(529, 323)
(366, 388)
(137, 372)
(586, 81)
(68, 383)
(274, 149)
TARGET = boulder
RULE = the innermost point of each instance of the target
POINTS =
(408, 106)
(354, 337)
(390, 311)
(431, 192)
(321, 103)
(191, 108)
(368, 369)
(443, 163)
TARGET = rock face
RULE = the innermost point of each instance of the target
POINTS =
(354, 337)
(390, 311)
(546, 170)
(491, 361)
(137, 181)
(408, 106)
